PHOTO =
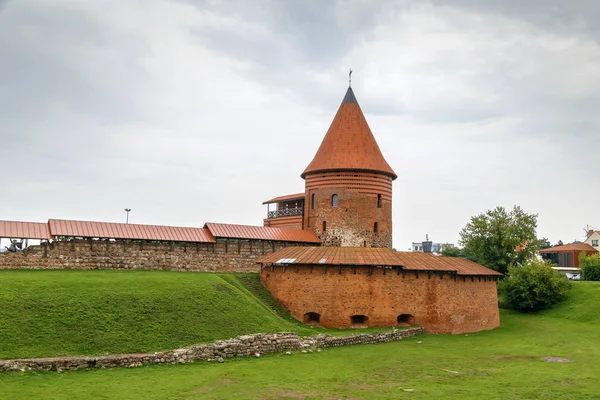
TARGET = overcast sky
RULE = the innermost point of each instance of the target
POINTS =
(197, 111)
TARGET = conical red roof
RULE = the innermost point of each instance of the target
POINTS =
(349, 143)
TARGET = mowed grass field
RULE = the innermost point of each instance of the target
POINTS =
(501, 364)
(51, 313)
(54, 313)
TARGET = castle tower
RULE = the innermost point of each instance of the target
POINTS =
(348, 184)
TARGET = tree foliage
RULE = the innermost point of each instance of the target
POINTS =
(590, 267)
(499, 239)
(534, 286)
(454, 252)
(544, 243)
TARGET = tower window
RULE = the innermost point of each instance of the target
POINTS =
(375, 227)
(312, 201)
(324, 226)
(334, 200)
(378, 201)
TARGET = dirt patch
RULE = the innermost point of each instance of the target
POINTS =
(566, 383)
(291, 394)
(556, 359)
(518, 358)
(227, 381)
(204, 389)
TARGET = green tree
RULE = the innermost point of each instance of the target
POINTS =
(590, 267)
(544, 243)
(454, 252)
(532, 287)
(499, 239)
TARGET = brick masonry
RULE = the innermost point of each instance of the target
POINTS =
(242, 346)
(352, 222)
(223, 256)
(441, 303)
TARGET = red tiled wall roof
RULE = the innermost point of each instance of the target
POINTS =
(261, 233)
(335, 256)
(24, 230)
(376, 257)
(112, 230)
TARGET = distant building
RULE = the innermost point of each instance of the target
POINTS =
(593, 239)
(429, 247)
(567, 256)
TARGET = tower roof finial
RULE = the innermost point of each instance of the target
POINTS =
(350, 78)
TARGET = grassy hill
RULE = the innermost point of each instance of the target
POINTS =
(582, 305)
(50, 313)
(505, 363)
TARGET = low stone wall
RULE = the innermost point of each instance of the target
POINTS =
(242, 346)
(223, 256)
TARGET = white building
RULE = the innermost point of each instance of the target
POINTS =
(593, 239)
(436, 248)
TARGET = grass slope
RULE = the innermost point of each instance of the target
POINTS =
(49, 313)
(500, 364)
(582, 305)
(53, 313)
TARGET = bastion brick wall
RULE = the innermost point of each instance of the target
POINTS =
(441, 303)
(223, 256)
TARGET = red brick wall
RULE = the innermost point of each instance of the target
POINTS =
(233, 255)
(351, 223)
(440, 305)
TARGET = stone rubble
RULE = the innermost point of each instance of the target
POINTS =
(243, 346)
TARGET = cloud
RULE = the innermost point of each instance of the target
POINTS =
(195, 111)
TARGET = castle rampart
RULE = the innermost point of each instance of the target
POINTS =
(343, 296)
(230, 255)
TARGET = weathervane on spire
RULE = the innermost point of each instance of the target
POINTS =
(350, 78)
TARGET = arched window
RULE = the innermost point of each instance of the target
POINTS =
(359, 321)
(375, 227)
(334, 200)
(406, 319)
(312, 318)
(378, 201)
(312, 201)
(324, 226)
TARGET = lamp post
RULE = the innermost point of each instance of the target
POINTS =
(127, 211)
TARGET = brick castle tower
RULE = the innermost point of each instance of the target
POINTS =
(348, 184)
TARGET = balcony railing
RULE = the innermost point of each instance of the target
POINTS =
(286, 212)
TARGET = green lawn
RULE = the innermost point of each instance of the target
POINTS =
(500, 364)
(52, 313)
(48, 313)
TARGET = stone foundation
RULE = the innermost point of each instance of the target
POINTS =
(242, 346)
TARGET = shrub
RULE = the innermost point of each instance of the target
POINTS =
(590, 267)
(534, 286)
